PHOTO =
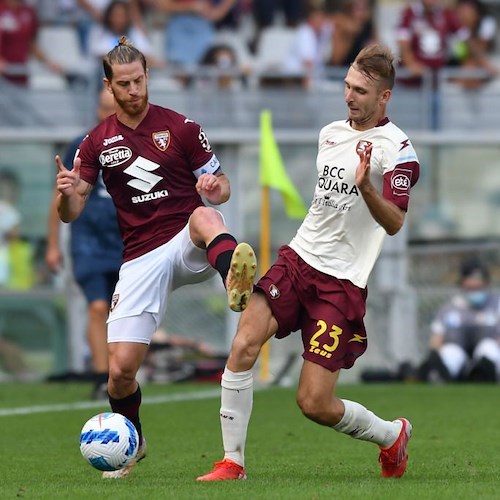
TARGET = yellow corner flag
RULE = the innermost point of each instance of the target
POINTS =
(272, 170)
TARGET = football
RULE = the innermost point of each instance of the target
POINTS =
(109, 441)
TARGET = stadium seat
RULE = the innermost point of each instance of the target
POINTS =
(272, 48)
(61, 44)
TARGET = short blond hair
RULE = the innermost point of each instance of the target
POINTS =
(377, 63)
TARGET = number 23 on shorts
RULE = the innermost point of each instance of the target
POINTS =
(334, 333)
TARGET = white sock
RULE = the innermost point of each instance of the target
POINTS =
(360, 423)
(235, 411)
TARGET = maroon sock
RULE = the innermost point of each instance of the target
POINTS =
(219, 253)
(129, 407)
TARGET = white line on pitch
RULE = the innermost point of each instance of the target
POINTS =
(81, 405)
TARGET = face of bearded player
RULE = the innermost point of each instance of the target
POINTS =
(129, 86)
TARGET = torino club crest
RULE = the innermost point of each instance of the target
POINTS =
(114, 301)
(161, 139)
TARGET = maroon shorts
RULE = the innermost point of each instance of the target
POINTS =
(329, 311)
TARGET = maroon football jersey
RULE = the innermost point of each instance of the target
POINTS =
(150, 173)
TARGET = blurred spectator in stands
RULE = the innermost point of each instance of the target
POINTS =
(475, 53)
(117, 21)
(354, 28)
(232, 20)
(191, 27)
(465, 340)
(95, 254)
(266, 12)
(17, 270)
(90, 13)
(310, 47)
(18, 33)
(143, 14)
(222, 69)
(425, 31)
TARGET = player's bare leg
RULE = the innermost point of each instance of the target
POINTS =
(314, 397)
(125, 358)
(237, 388)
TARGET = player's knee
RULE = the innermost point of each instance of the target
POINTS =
(315, 409)
(245, 349)
(205, 216)
(204, 224)
(306, 405)
(309, 410)
(121, 375)
(99, 309)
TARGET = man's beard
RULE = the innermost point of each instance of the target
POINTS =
(134, 108)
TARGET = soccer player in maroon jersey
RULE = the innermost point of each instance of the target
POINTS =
(366, 167)
(156, 165)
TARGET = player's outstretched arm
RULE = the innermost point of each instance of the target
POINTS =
(73, 191)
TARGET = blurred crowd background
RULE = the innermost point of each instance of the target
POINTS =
(221, 62)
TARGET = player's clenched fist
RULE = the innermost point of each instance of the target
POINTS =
(215, 188)
(207, 183)
(67, 180)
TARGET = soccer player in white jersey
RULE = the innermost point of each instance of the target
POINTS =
(366, 166)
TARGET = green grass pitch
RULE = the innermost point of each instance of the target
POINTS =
(453, 454)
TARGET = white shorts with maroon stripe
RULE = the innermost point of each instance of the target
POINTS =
(146, 282)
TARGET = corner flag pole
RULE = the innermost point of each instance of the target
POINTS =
(273, 175)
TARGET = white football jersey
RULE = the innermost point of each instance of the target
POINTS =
(339, 236)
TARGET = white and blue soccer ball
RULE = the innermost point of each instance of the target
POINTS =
(109, 441)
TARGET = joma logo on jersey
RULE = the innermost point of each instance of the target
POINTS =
(111, 140)
(115, 156)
